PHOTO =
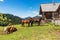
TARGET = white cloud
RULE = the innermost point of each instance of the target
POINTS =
(36, 12)
(1, 0)
(33, 13)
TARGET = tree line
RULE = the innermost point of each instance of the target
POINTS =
(6, 19)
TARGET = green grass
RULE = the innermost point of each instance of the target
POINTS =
(47, 32)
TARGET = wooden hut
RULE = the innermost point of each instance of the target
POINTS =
(50, 11)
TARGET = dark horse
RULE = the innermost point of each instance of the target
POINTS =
(31, 21)
(37, 20)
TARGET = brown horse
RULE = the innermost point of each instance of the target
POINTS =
(31, 21)
(26, 21)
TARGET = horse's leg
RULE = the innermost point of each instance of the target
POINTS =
(32, 23)
(39, 21)
(22, 24)
(28, 24)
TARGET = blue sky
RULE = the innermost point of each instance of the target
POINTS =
(22, 8)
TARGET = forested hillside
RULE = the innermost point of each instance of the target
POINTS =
(6, 19)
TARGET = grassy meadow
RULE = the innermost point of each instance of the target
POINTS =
(43, 32)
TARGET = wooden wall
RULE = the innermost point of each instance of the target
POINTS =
(47, 15)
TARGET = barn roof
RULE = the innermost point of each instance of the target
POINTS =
(49, 7)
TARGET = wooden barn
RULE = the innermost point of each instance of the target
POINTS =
(50, 11)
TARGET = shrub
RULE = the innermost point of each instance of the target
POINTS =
(3, 23)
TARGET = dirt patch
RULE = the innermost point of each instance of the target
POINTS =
(2, 33)
(57, 32)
